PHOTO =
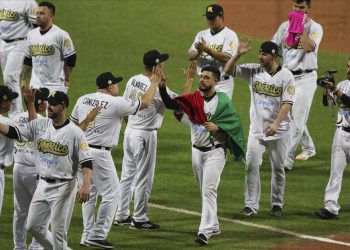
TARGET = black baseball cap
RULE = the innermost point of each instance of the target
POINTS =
(106, 79)
(153, 58)
(269, 47)
(7, 94)
(213, 11)
(58, 97)
(41, 94)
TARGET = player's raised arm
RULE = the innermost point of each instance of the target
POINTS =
(148, 96)
(26, 73)
(29, 99)
(190, 74)
(243, 47)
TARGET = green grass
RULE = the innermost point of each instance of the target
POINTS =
(112, 35)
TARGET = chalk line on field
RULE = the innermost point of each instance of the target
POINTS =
(250, 224)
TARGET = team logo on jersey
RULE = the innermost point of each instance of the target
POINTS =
(67, 43)
(56, 148)
(41, 49)
(210, 9)
(84, 146)
(291, 90)
(262, 88)
(9, 15)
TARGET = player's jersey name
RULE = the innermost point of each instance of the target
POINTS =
(94, 102)
(139, 85)
(9, 15)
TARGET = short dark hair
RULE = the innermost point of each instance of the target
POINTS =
(49, 5)
(308, 2)
(214, 70)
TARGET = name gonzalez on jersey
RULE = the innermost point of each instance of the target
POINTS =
(94, 103)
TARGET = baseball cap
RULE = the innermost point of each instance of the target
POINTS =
(106, 79)
(58, 97)
(269, 47)
(7, 94)
(213, 10)
(153, 58)
(41, 95)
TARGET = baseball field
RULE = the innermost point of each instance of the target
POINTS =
(113, 35)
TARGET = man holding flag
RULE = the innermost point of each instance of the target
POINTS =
(215, 127)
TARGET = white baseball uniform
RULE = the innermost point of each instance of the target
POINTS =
(16, 19)
(102, 134)
(6, 156)
(225, 41)
(268, 93)
(140, 145)
(58, 152)
(48, 52)
(25, 181)
(340, 153)
(304, 66)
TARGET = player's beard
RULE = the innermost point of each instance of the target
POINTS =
(205, 89)
(52, 115)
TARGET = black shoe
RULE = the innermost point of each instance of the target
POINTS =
(127, 221)
(147, 225)
(201, 239)
(276, 211)
(325, 214)
(246, 212)
(100, 243)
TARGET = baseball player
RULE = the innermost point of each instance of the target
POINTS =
(302, 62)
(101, 135)
(16, 19)
(215, 126)
(272, 93)
(59, 148)
(340, 148)
(140, 145)
(25, 177)
(214, 46)
(50, 55)
(6, 145)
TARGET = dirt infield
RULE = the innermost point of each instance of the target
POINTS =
(261, 18)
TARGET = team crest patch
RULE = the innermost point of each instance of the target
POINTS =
(291, 90)
(84, 146)
(233, 45)
(314, 35)
(67, 42)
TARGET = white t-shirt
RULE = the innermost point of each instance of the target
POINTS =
(298, 59)
(103, 131)
(152, 117)
(58, 152)
(48, 52)
(268, 94)
(16, 18)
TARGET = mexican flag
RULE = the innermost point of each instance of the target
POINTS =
(226, 118)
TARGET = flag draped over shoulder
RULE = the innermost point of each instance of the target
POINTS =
(226, 118)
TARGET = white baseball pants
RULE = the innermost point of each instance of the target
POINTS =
(207, 168)
(255, 150)
(340, 157)
(139, 162)
(55, 197)
(106, 182)
(2, 187)
(11, 58)
(305, 87)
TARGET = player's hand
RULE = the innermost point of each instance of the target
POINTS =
(212, 127)
(271, 130)
(190, 72)
(29, 94)
(243, 46)
(201, 46)
(93, 113)
(84, 193)
(329, 85)
(156, 76)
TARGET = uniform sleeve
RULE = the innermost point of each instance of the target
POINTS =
(244, 70)
(83, 148)
(25, 131)
(74, 116)
(316, 34)
(67, 45)
(31, 11)
(230, 44)
(279, 36)
(124, 107)
(289, 90)
(28, 52)
(196, 40)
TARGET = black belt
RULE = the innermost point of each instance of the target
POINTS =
(206, 149)
(49, 180)
(14, 40)
(100, 147)
(346, 129)
(299, 72)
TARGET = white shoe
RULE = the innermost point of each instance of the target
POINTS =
(305, 155)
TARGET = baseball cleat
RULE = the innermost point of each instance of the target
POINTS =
(127, 221)
(201, 239)
(305, 155)
(246, 212)
(325, 214)
(100, 243)
(147, 225)
(276, 211)
(215, 232)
